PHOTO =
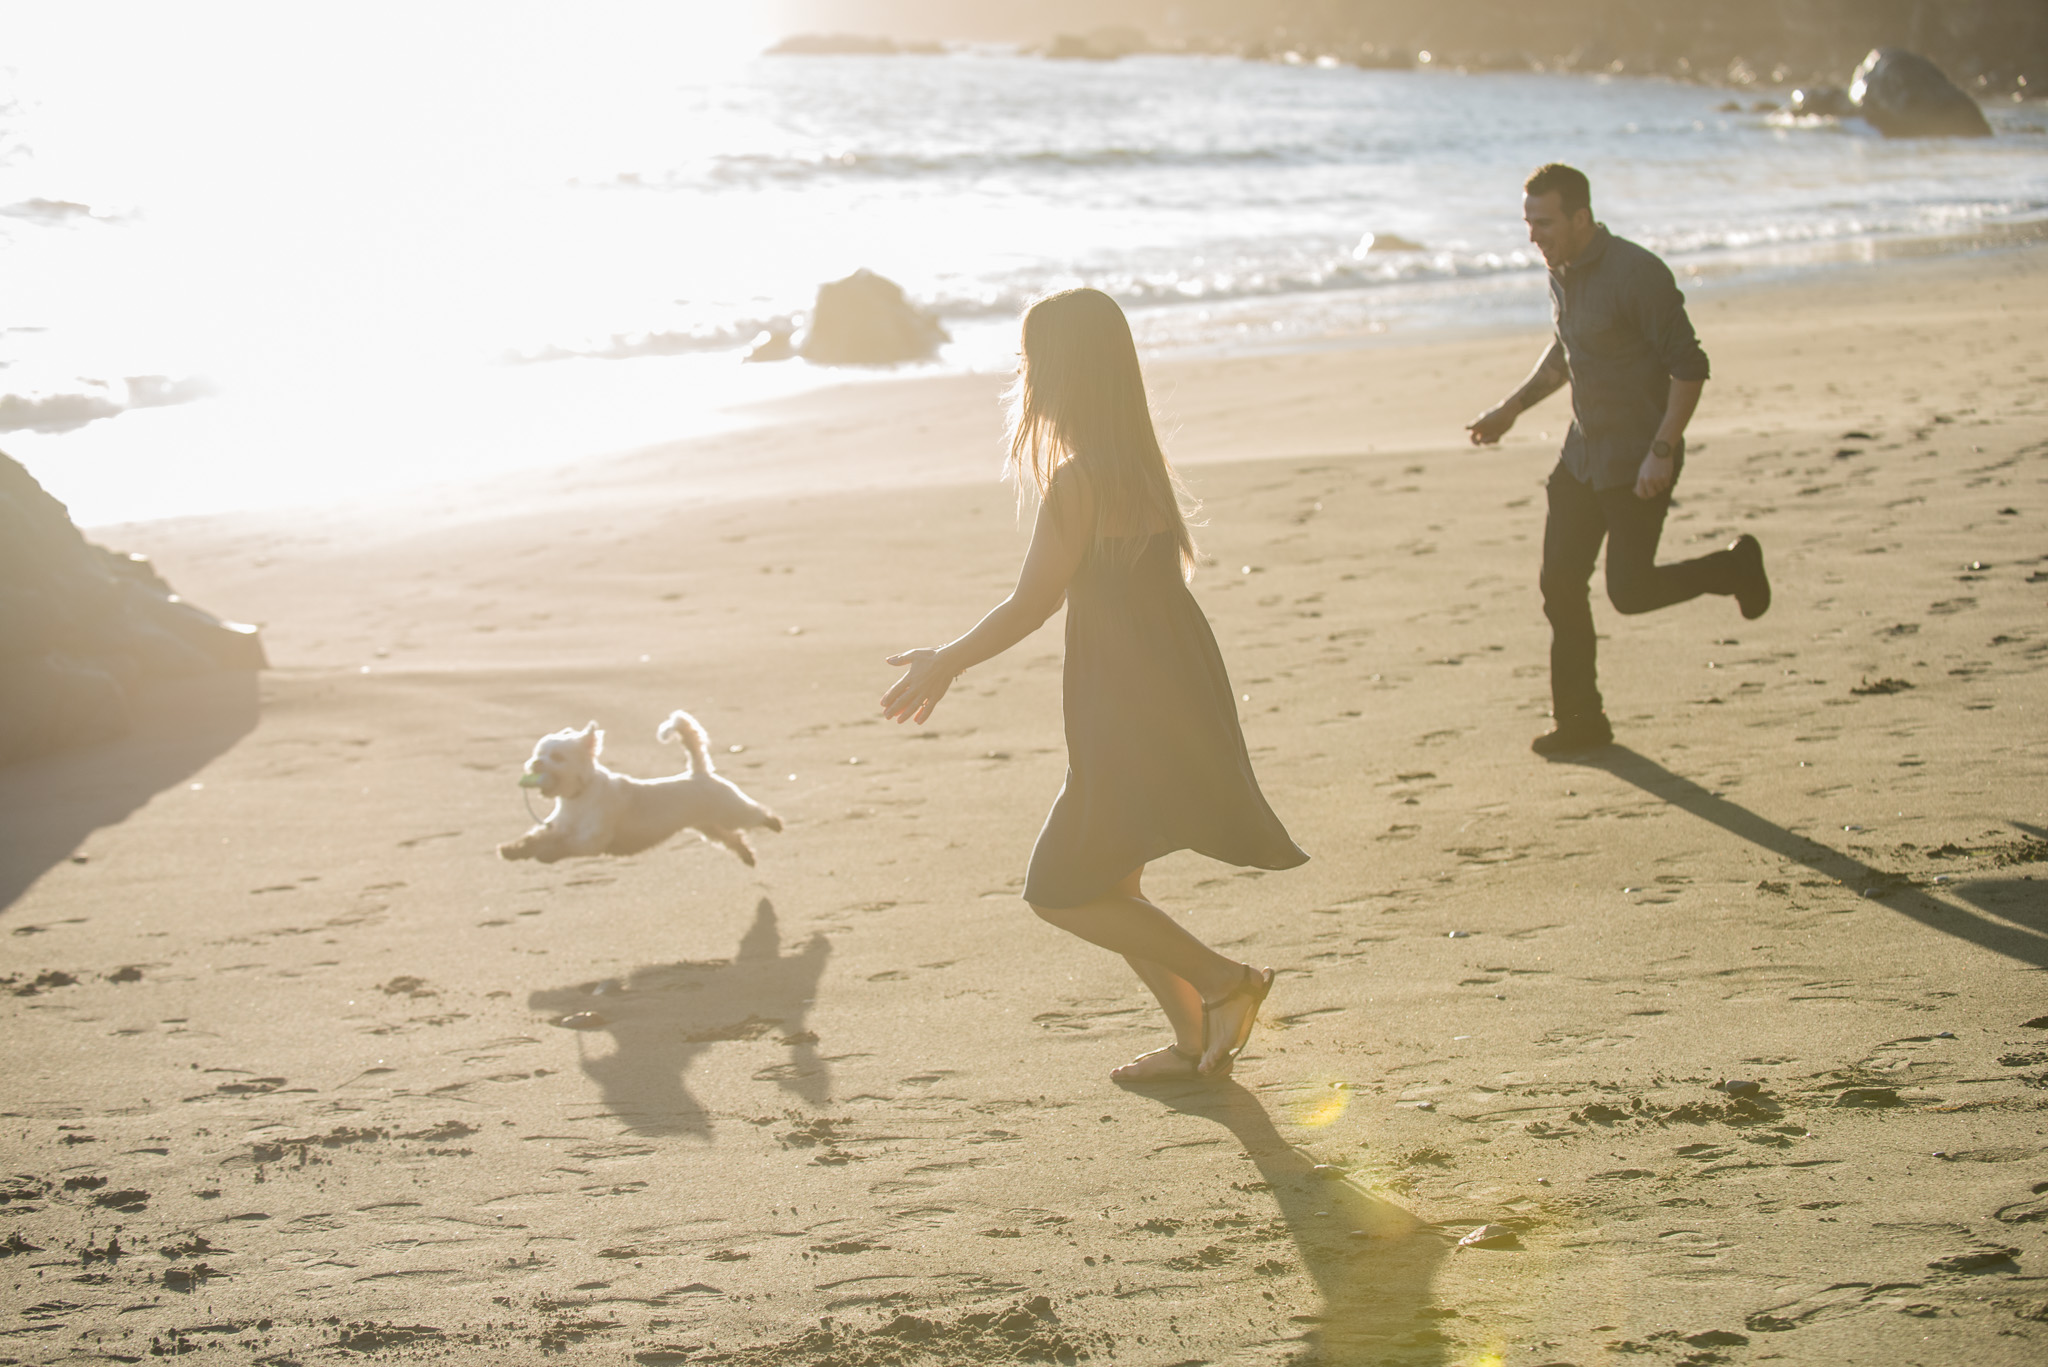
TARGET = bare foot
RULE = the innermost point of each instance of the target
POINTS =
(1229, 1019)
(1161, 1065)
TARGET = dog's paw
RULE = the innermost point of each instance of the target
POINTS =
(773, 822)
(514, 849)
(735, 842)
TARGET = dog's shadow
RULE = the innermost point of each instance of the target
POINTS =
(662, 1016)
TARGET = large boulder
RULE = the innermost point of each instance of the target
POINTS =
(81, 627)
(865, 320)
(1903, 95)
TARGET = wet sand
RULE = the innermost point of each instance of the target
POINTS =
(286, 1074)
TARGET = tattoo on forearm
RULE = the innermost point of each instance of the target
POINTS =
(1547, 380)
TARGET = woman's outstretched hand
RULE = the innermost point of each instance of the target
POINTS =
(925, 680)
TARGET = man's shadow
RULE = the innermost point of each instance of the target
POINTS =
(49, 805)
(1373, 1262)
(662, 1016)
(2009, 920)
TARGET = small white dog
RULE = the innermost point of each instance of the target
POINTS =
(598, 811)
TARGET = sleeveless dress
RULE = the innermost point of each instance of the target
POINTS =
(1155, 759)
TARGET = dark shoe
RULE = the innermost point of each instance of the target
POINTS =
(1754, 596)
(1579, 733)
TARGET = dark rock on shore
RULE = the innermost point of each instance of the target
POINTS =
(82, 627)
(865, 320)
(1903, 95)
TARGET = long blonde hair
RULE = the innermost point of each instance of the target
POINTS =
(1079, 404)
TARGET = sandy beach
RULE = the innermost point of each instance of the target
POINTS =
(285, 1069)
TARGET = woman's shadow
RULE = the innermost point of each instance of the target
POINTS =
(662, 1016)
(1373, 1262)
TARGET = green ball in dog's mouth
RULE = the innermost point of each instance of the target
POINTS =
(529, 780)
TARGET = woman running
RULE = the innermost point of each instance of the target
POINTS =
(1155, 759)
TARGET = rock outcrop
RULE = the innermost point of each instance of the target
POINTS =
(1903, 95)
(81, 627)
(1995, 49)
(865, 320)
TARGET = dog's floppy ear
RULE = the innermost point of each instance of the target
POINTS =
(591, 737)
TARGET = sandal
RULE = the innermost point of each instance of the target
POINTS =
(1175, 1063)
(1250, 992)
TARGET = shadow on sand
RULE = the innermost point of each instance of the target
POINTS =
(53, 802)
(1372, 1261)
(2011, 915)
(662, 1016)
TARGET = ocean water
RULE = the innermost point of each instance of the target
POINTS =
(281, 255)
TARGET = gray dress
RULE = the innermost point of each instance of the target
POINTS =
(1155, 759)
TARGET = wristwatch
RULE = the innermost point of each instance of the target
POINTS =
(1661, 449)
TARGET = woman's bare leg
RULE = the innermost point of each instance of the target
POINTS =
(1181, 971)
(1178, 999)
(1183, 1007)
(1122, 921)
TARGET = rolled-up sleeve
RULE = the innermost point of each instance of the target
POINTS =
(1658, 309)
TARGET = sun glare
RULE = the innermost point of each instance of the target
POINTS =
(1316, 1112)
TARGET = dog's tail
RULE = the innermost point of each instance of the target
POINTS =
(683, 728)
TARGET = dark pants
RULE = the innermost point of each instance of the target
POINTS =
(1580, 518)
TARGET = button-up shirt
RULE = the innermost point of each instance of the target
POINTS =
(1623, 336)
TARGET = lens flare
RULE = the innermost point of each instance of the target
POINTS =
(1318, 1111)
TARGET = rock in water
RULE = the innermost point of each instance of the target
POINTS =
(1820, 101)
(1384, 242)
(1903, 95)
(865, 320)
(772, 343)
